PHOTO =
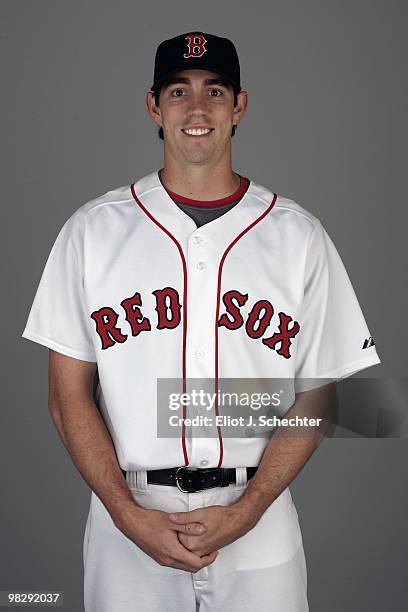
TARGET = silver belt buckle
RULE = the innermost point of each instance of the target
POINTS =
(178, 478)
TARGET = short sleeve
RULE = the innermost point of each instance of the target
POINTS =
(334, 340)
(58, 317)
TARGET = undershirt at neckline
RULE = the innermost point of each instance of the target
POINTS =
(231, 199)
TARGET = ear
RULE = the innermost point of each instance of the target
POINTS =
(152, 109)
(240, 108)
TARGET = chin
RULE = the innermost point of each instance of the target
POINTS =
(196, 156)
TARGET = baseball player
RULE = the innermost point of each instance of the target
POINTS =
(192, 272)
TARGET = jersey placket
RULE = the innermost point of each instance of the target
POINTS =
(208, 250)
(202, 275)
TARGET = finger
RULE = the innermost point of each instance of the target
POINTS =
(189, 528)
(186, 568)
(205, 561)
(209, 558)
(194, 544)
(181, 554)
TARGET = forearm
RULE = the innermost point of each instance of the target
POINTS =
(86, 438)
(282, 460)
(287, 452)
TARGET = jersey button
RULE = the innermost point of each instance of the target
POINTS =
(201, 265)
(196, 239)
(199, 354)
(204, 462)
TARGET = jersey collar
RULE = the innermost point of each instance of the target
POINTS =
(152, 199)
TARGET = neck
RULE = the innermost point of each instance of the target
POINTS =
(200, 182)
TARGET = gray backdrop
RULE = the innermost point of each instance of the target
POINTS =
(326, 125)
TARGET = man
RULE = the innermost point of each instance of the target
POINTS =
(193, 272)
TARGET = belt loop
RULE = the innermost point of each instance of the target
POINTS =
(240, 476)
(137, 480)
(141, 480)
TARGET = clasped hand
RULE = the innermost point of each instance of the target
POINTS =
(222, 525)
(184, 540)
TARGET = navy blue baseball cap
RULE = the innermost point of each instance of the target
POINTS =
(196, 50)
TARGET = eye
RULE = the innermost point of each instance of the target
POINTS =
(174, 91)
(216, 90)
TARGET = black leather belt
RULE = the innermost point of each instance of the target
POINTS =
(191, 480)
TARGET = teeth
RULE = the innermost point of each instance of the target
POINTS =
(197, 132)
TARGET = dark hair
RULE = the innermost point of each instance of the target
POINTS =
(156, 95)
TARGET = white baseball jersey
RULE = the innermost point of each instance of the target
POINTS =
(132, 284)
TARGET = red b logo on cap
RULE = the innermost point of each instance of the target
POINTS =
(196, 45)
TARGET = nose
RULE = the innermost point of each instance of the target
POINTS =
(198, 102)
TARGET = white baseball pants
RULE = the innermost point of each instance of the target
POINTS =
(263, 571)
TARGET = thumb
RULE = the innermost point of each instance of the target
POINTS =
(185, 517)
(189, 528)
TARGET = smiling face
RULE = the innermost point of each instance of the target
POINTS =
(196, 111)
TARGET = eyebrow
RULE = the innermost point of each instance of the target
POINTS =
(187, 81)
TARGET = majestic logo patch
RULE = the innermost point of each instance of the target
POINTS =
(168, 308)
(196, 46)
(368, 342)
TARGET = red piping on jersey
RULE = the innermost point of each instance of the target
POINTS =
(183, 261)
(211, 203)
(227, 250)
